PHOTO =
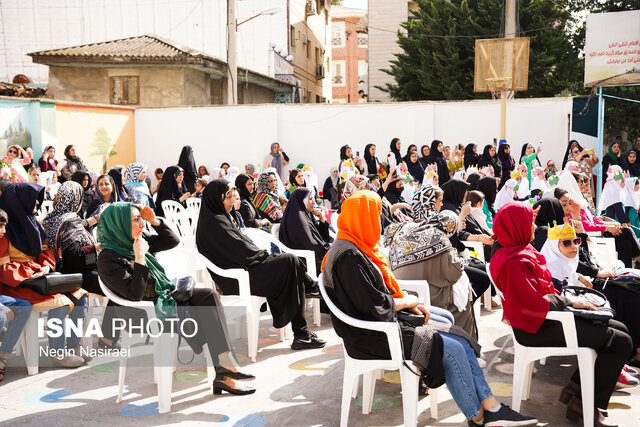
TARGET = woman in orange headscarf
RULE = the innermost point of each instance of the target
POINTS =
(361, 284)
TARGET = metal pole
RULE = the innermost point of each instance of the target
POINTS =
(510, 19)
(599, 147)
(232, 51)
(503, 114)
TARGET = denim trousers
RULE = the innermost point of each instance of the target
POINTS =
(79, 311)
(464, 376)
(21, 310)
(441, 315)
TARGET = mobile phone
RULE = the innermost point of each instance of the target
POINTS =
(357, 154)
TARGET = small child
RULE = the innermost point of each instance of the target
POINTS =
(200, 186)
(477, 208)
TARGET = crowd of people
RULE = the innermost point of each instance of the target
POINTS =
(407, 216)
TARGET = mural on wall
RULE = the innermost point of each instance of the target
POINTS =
(27, 124)
(103, 137)
(19, 136)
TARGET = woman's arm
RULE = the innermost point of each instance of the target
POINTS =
(165, 240)
(116, 273)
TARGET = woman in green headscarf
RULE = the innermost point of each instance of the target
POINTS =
(127, 266)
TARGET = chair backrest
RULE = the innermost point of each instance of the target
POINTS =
(275, 231)
(391, 329)
(47, 206)
(193, 206)
(604, 250)
(263, 240)
(477, 247)
(242, 276)
(493, 283)
(172, 209)
(181, 220)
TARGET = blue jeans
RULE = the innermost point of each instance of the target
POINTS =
(463, 375)
(440, 315)
(79, 311)
(21, 310)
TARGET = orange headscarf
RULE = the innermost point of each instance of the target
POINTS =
(359, 223)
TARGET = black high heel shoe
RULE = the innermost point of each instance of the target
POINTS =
(222, 371)
(219, 387)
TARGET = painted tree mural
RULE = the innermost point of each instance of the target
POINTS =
(103, 147)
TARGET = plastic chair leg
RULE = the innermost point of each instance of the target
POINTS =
(348, 382)
(433, 399)
(368, 389)
(211, 370)
(586, 364)
(167, 347)
(31, 343)
(356, 384)
(527, 381)
(122, 369)
(316, 312)
(487, 299)
(519, 371)
(409, 396)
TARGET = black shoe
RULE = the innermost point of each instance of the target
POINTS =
(312, 291)
(224, 372)
(115, 345)
(310, 341)
(507, 417)
(472, 423)
(219, 387)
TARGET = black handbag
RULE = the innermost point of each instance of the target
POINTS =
(54, 283)
(184, 289)
(629, 282)
(409, 317)
(603, 312)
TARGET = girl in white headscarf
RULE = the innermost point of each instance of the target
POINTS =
(506, 194)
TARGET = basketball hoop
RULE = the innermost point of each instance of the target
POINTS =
(498, 86)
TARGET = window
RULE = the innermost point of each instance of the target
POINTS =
(308, 49)
(363, 69)
(338, 77)
(125, 90)
(292, 35)
(363, 39)
(318, 57)
(337, 34)
(317, 99)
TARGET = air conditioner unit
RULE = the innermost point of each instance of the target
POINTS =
(311, 8)
(305, 39)
(319, 72)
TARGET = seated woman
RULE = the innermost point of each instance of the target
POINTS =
(330, 188)
(23, 256)
(360, 283)
(251, 216)
(281, 278)
(83, 178)
(171, 188)
(75, 248)
(127, 266)
(105, 194)
(266, 198)
(521, 273)
(626, 243)
(304, 227)
(118, 179)
(136, 187)
(422, 251)
(508, 193)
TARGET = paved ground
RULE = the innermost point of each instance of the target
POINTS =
(294, 389)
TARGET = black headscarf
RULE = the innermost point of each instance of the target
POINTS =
(422, 158)
(370, 161)
(523, 154)
(473, 179)
(567, 153)
(411, 148)
(241, 186)
(88, 193)
(69, 156)
(116, 174)
(506, 162)
(169, 188)
(415, 169)
(470, 158)
(298, 228)
(487, 185)
(394, 194)
(23, 230)
(632, 168)
(454, 191)
(188, 165)
(437, 157)
(395, 150)
(486, 160)
(550, 211)
(217, 236)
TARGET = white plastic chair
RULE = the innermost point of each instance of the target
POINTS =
(181, 220)
(525, 357)
(478, 248)
(47, 206)
(193, 206)
(264, 240)
(275, 231)
(368, 368)
(604, 251)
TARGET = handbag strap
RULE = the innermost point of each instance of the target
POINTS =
(584, 290)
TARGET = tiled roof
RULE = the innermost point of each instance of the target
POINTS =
(140, 48)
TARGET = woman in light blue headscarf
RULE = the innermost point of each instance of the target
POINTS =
(136, 187)
(276, 158)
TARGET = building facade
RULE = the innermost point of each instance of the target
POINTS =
(349, 41)
(385, 17)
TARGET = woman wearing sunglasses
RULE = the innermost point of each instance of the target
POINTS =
(13, 168)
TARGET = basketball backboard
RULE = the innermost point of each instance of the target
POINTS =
(501, 64)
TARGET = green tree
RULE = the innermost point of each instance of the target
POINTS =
(436, 65)
(336, 2)
(103, 147)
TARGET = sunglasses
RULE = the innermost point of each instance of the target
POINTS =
(576, 242)
(12, 152)
(583, 181)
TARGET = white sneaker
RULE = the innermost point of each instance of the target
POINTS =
(67, 361)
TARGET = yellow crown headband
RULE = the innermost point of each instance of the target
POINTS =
(565, 231)
(516, 174)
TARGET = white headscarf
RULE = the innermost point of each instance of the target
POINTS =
(523, 190)
(538, 183)
(613, 192)
(632, 198)
(560, 267)
(568, 182)
(232, 174)
(505, 195)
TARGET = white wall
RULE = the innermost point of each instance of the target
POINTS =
(313, 134)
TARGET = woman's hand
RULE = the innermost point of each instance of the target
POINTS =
(140, 249)
(149, 215)
(606, 274)
(486, 240)
(397, 206)
(583, 304)
(613, 229)
(421, 310)
(585, 282)
(43, 270)
(185, 196)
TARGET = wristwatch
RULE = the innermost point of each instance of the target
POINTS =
(85, 223)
